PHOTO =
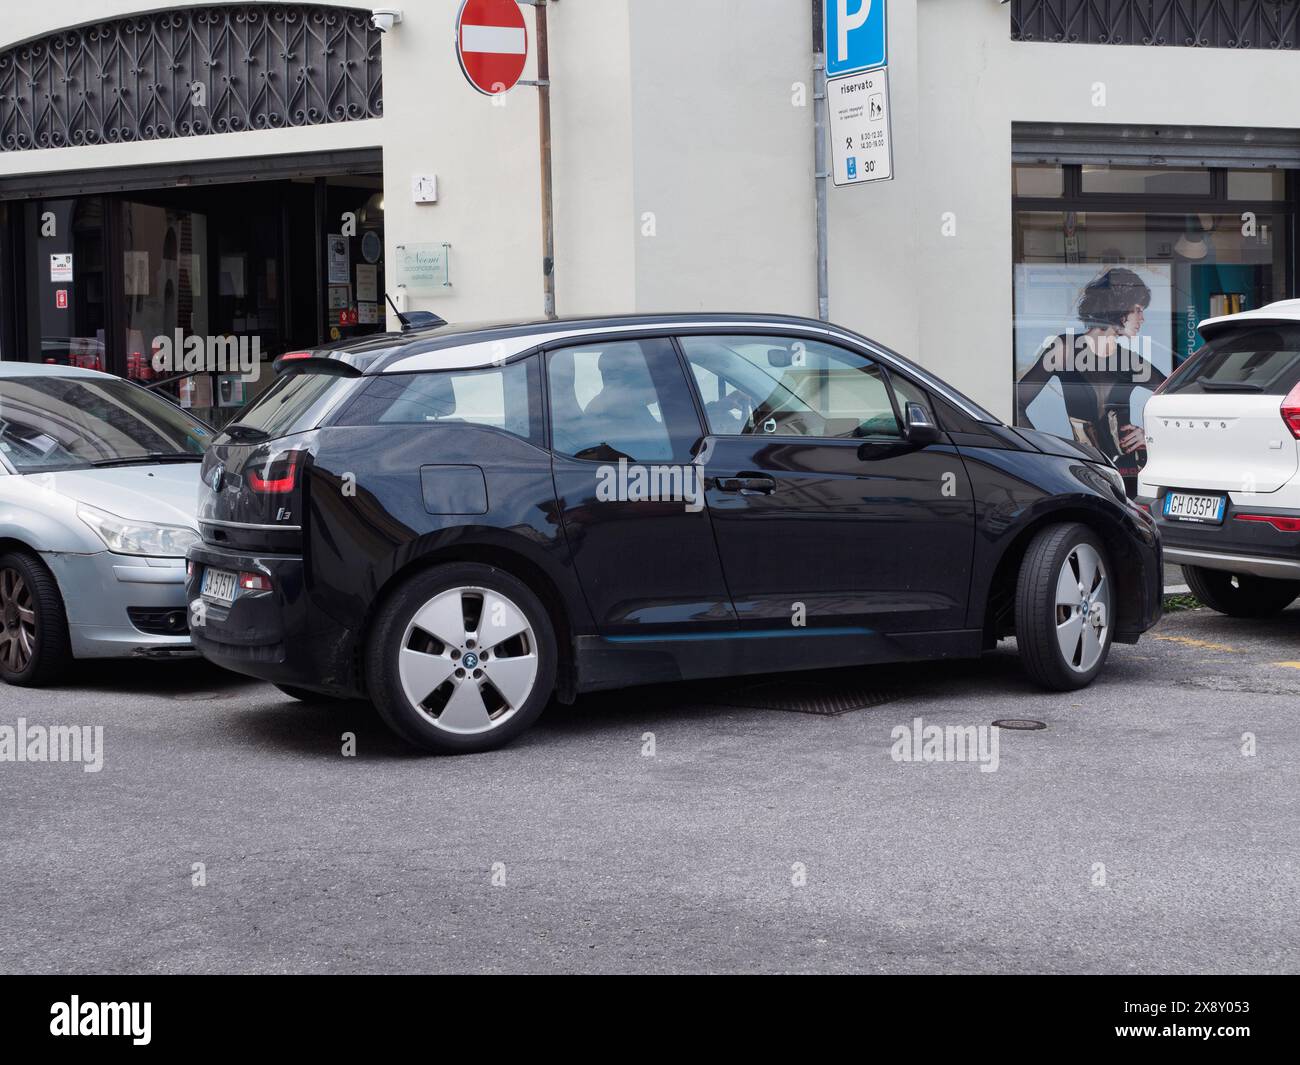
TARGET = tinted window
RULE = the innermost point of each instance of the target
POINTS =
(294, 403)
(502, 397)
(789, 387)
(1264, 359)
(621, 399)
(49, 423)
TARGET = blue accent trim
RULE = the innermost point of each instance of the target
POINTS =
(746, 634)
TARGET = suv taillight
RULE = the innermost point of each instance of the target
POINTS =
(1291, 411)
(276, 476)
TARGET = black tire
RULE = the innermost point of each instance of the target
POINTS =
(419, 725)
(1037, 624)
(1240, 595)
(38, 611)
(305, 696)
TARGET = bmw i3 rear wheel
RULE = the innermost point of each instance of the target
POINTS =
(461, 659)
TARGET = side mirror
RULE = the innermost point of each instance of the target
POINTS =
(921, 430)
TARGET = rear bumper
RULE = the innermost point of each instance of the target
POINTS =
(1247, 547)
(1280, 568)
(275, 636)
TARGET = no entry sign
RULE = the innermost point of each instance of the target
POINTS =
(491, 44)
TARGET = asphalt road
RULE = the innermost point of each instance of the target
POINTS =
(608, 860)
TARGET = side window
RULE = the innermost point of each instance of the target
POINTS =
(910, 393)
(621, 399)
(784, 386)
(502, 397)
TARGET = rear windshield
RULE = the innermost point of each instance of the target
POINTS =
(1262, 360)
(294, 403)
(71, 423)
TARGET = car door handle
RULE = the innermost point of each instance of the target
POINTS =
(765, 485)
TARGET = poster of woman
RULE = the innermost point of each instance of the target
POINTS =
(1092, 345)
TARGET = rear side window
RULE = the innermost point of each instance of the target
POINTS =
(1263, 360)
(501, 397)
(621, 399)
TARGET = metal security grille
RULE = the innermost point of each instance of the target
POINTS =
(190, 72)
(1187, 23)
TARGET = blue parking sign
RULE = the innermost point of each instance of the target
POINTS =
(855, 36)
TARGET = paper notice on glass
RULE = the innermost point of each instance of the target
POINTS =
(135, 273)
(339, 258)
(367, 281)
(61, 266)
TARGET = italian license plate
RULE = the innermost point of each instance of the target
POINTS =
(220, 584)
(1183, 506)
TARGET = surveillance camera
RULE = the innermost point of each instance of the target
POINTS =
(385, 18)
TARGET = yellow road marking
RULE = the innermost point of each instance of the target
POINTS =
(1202, 645)
(1288, 665)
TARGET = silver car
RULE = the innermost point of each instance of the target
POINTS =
(98, 489)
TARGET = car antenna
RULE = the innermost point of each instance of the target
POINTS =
(420, 319)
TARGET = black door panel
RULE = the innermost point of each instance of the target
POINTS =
(877, 543)
(646, 565)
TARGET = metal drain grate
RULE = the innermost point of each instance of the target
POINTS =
(828, 699)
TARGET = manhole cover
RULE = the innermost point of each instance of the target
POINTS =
(808, 697)
(1022, 724)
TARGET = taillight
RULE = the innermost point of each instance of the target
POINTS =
(1291, 411)
(1279, 522)
(254, 582)
(276, 476)
(280, 365)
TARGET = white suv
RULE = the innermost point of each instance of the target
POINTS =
(1222, 477)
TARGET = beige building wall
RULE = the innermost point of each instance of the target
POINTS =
(684, 160)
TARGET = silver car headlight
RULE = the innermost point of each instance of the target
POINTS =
(124, 537)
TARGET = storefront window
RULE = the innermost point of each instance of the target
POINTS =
(193, 291)
(66, 282)
(1142, 181)
(1107, 302)
(1256, 185)
(1030, 180)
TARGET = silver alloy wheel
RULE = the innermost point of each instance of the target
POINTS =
(1082, 608)
(17, 622)
(468, 660)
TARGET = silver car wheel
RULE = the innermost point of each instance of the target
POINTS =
(1082, 608)
(17, 622)
(468, 660)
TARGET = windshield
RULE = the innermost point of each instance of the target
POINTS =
(1258, 359)
(72, 423)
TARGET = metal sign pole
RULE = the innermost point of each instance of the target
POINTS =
(543, 84)
(820, 172)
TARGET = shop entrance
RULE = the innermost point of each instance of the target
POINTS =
(149, 282)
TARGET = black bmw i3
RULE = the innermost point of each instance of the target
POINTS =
(462, 523)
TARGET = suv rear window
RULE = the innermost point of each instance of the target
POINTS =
(1249, 359)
